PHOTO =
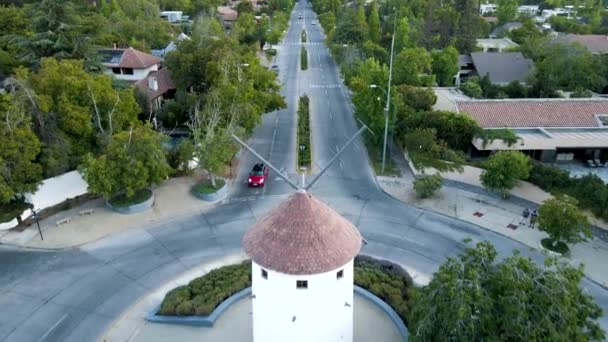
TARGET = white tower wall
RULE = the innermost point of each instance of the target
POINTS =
(321, 313)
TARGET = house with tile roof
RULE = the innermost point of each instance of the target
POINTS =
(549, 130)
(141, 69)
(597, 44)
(128, 64)
(227, 16)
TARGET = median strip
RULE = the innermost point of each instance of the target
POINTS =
(303, 36)
(303, 59)
(304, 140)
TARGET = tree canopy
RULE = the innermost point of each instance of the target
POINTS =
(504, 169)
(561, 218)
(476, 297)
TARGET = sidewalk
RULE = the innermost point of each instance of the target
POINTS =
(172, 198)
(496, 214)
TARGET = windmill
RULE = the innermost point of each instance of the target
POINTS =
(302, 266)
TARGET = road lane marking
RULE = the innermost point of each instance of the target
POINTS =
(46, 334)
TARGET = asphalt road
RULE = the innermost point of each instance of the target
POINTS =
(75, 294)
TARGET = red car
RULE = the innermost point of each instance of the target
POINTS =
(258, 176)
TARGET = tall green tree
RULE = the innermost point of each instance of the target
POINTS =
(507, 10)
(74, 112)
(375, 31)
(475, 297)
(445, 65)
(504, 169)
(468, 25)
(561, 218)
(134, 160)
(412, 66)
(19, 148)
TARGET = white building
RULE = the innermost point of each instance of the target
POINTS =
(128, 64)
(172, 16)
(302, 273)
(487, 8)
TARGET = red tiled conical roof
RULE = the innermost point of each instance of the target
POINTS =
(302, 236)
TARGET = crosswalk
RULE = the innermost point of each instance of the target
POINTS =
(324, 86)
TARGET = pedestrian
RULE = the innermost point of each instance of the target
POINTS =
(533, 219)
(524, 216)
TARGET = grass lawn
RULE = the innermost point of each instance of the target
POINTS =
(375, 156)
(122, 201)
(560, 248)
(205, 187)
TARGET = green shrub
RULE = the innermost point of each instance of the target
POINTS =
(387, 281)
(202, 295)
(205, 187)
(122, 200)
(472, 89)
(304, 154)
(303, 36)
(548, 177)
(559, 247)
(426, 186)
(303, 59)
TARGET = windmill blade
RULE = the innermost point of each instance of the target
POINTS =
(295, 186)
(350, 141)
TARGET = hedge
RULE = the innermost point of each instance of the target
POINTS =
(304, 154)
(303, 59)
(590, 191)
(202, 295)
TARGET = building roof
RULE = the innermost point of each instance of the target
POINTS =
(502, 67)
(302, 236)
(227, 13)
(505, 28)
(549, 139)
(535, 112)
(127, 58)
(163, 80)
(502, 43)
(597, 44)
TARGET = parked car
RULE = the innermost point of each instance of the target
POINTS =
(258, 176)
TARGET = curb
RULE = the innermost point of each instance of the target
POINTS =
(135, 208)
(214, 196)
(596, 282)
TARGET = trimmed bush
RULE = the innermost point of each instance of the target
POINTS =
(123, 201)
(303, 59)
(427, 186)
(304, 154)
(385, 280)
(202, 295)
(559, 247)
(205, 187)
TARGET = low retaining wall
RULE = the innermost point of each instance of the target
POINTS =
(208, 321)
(136, 208)
(221, 193)
(198, 321)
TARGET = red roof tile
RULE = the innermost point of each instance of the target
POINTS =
(535, 113)
(596, 43)
(129, 58)
(163, 81)
(302, 236)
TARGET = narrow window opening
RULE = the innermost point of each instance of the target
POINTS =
(301, 284)
(340, 274)
(264, 274)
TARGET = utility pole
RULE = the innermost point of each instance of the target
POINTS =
(388, 93)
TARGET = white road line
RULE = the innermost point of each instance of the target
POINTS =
(46, 334)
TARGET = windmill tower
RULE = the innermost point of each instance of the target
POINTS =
(302, 256)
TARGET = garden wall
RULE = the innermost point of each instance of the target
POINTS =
(53, 191)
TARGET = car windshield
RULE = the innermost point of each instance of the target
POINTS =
(258, 170)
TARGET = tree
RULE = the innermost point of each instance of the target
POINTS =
(475, 298)
(412, 66)
(375, 31)
(133, 161)
(561, 218)
(468, 25)
(507, 10)
(445, 65)
(402, 35)
(419, 99)
(19, 148)
(527, 31)
(427, 186)
(504, 169)
(472, 88)
(73, 112)
(426, 151)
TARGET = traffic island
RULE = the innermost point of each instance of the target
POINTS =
(304, 152)
(140, 201)
(303, 59)
(205, 191)
(303, 36)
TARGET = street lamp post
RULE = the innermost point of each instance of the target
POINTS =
(35, 214)
(388, 94)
